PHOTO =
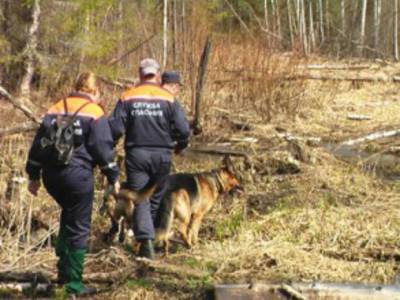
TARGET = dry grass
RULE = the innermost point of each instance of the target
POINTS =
(325, 223)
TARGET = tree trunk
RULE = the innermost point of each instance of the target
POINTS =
(183, 35)
(343, 15)
(311, 27)
(362, 30)
(395, 30)
(377, 21)
(304, 28)
(174, 32)
(18, 17)
(290, 21)
(201, 77)
(277, 19)
(86, 29)
(266, 15)
(30, 52)
(321, 21)
(165, 34)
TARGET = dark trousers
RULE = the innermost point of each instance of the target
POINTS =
(145, 167)
(73, 189)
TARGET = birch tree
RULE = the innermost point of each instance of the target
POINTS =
(30, 52)
(165, 34)
(311, 26)
(395, 30)
(321, 21)
(362, 30)
(343, 15)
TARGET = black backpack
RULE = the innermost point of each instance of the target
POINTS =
(59, 143)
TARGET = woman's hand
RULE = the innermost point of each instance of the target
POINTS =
(34, 186)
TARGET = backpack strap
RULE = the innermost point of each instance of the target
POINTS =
(76, 112)
(65, 107)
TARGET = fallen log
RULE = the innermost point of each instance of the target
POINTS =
(358, 117)
(376, 254)
(49, 277)
(291, 292)
(27, 112)
(25, 287)
(372, 137)
(307, 290)
(25, 127)
(218, 151)
(335, 67)
(322, 77)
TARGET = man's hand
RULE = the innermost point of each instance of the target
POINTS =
(180, 146)
(116, 187)
(34, 186)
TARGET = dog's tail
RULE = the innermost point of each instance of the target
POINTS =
(145, 193)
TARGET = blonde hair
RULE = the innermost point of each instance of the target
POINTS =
(87, 83)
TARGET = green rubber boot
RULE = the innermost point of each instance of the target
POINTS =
(74, 270)
(62, 254)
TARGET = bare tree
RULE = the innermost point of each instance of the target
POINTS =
(377, 22)
(321, 21)
(311, 27)
(362, 30)
(292, 29)
(277, 18)
(302, 26)
(266, 14)
(30, 52)
(165, 34)
(395, 29)
(174, 33)
(343, 15)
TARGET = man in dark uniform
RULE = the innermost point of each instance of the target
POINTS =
(154, 124)
(71, 184)
(171, 81)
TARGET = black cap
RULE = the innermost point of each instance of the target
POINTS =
(170, 77)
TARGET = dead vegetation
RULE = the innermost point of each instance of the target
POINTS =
(306, 215)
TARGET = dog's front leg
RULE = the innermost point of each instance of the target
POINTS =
(121, 237)
(109, 238)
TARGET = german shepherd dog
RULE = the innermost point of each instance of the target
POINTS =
(119, 207)
(189, 198)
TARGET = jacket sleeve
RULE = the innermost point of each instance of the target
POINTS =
(100, 146)
(34, 162)
(181, 130)
(118, 120)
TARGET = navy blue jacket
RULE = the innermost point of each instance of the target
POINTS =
(94, 142)
(150, 117)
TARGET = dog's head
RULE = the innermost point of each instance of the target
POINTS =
(229, 176)
(110, 199)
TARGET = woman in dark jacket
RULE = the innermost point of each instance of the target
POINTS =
(73, 138)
